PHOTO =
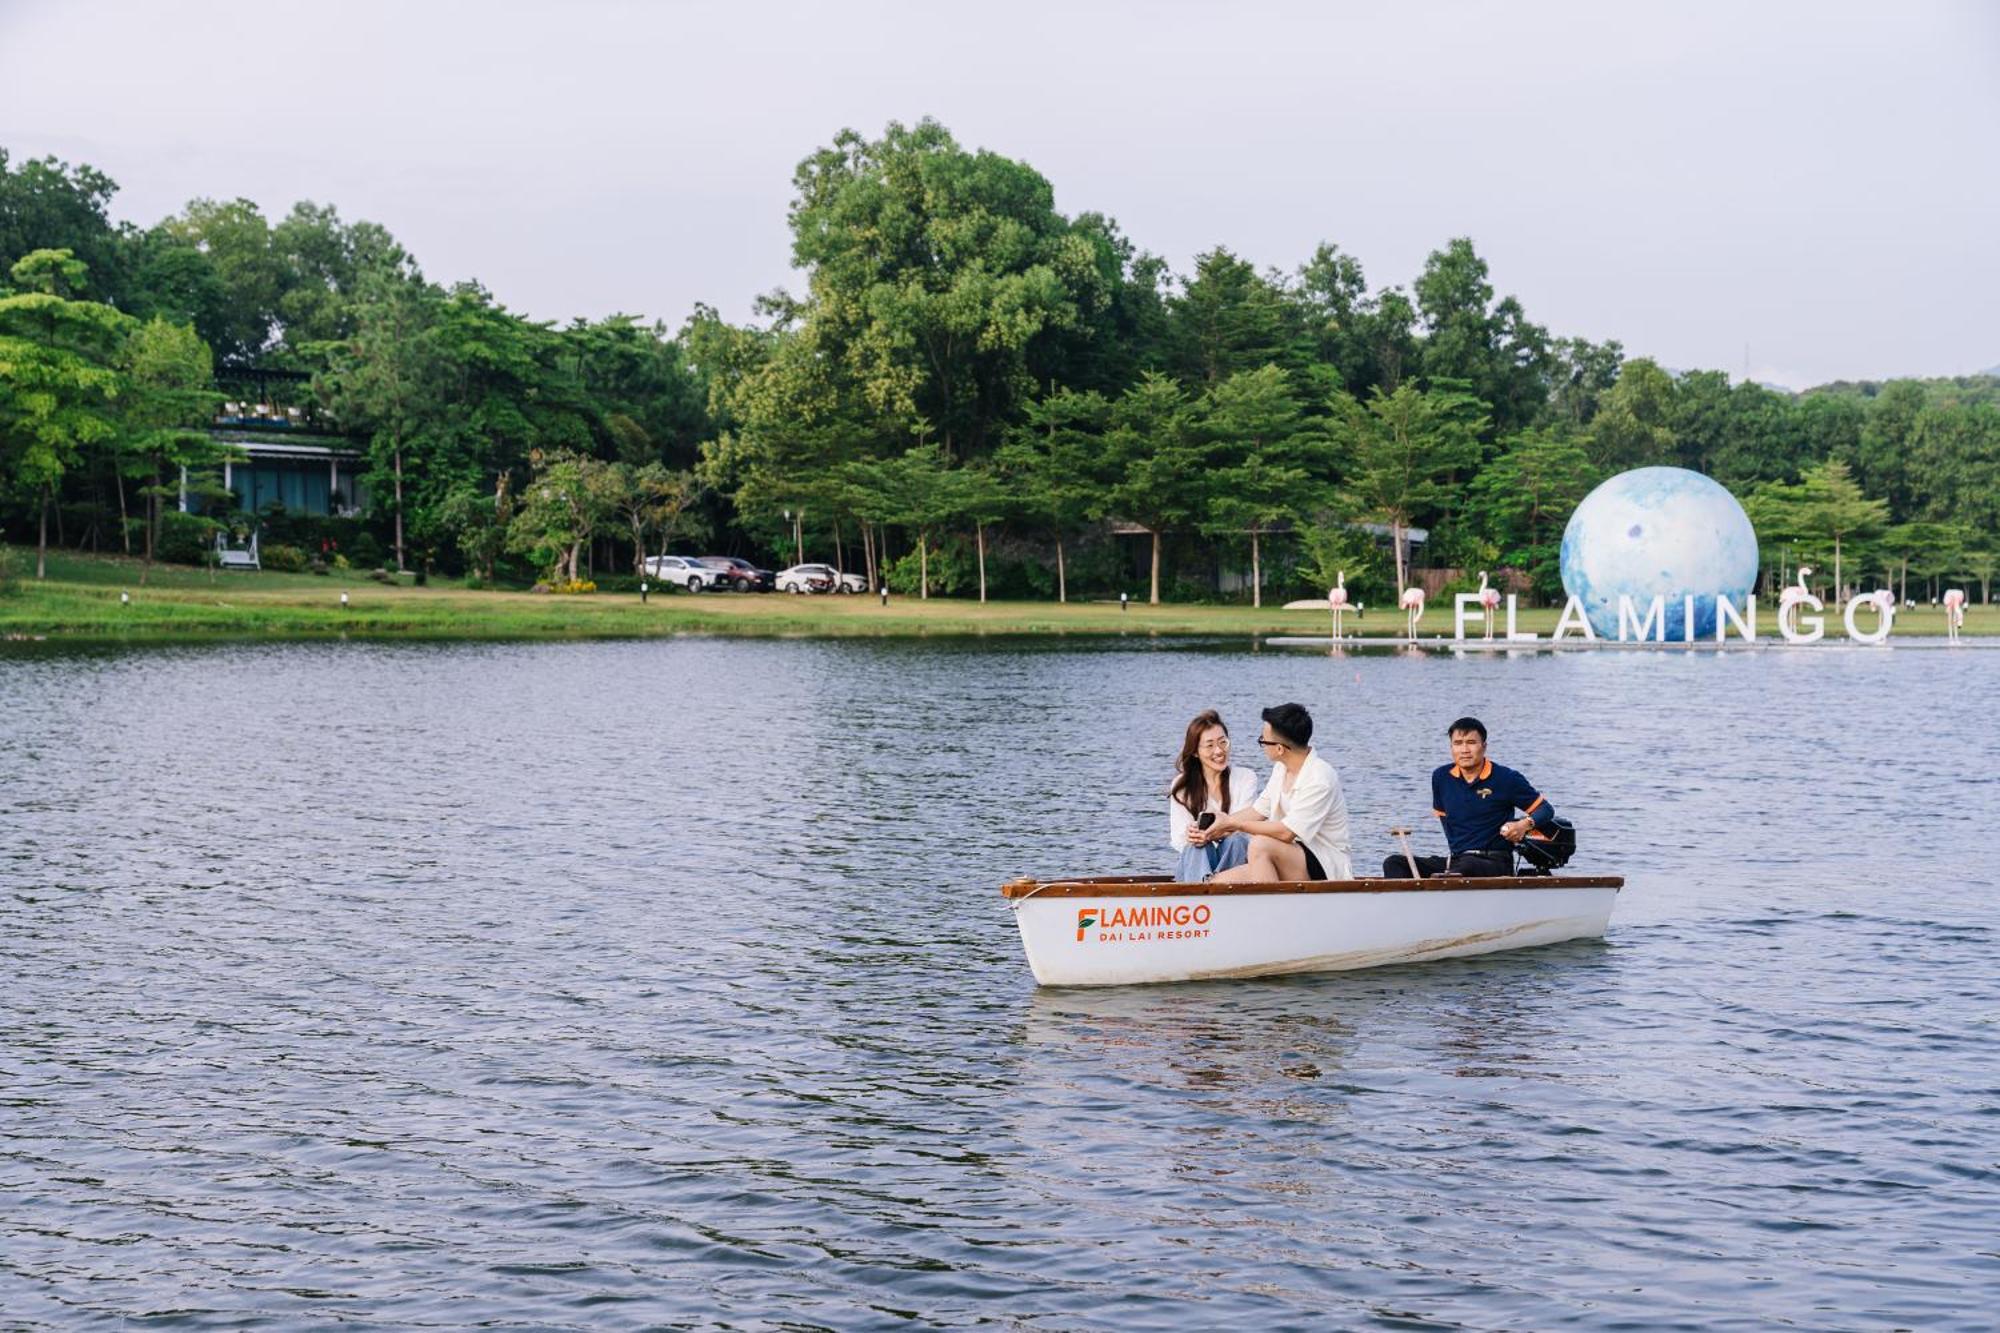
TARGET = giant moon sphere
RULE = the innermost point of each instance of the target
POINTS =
(1658, 532)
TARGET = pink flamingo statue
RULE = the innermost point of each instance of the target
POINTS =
(1413, 603)
(1489, 601)
(1954, 612)
(1336, 600)
(1788, 601)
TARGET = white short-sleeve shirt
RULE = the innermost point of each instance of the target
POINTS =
(1314, 810)
(1242, 791)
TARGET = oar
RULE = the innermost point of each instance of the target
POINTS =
(1402, 835)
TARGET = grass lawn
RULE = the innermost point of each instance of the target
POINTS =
(80, 601)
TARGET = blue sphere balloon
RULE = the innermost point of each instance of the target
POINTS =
(1658, 532)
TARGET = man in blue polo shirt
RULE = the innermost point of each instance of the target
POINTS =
(1475, 799)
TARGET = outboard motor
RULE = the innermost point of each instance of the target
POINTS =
(1543, 853)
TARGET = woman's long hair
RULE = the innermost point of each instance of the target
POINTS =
(1190, 784)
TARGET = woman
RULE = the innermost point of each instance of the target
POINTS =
(1205, 784)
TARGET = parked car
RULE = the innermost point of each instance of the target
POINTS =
(808, 578)
(684, 571)
(740, 574)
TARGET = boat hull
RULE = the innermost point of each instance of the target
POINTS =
(1120, 932)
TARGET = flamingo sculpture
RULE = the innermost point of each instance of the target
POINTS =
(1336, 600)
(1788, 601)
(1954, 612)
(1489, 601)
(1413, 603)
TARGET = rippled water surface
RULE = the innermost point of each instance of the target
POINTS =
(621, 985)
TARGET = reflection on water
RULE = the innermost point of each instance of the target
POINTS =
(612, 985)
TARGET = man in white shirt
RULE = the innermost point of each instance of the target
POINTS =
(1298, 827)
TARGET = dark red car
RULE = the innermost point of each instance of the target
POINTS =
(739, 574)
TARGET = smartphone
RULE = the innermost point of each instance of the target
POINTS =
(1207, 818)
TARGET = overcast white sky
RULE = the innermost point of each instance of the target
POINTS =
(1817, 182)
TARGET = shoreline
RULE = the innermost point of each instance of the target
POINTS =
(79, 604)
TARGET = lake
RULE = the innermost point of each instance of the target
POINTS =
(616, 985)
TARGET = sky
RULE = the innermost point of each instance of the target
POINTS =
(1801, 192)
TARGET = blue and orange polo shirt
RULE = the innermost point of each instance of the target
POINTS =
(1473, 806)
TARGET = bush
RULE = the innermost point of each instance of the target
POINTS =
(381, 576)
(185, 539)
(10, 572)
(474, 582)
(282, 559)
(574, 586)
(954, 569)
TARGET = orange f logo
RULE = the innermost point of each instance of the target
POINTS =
(1086, 917)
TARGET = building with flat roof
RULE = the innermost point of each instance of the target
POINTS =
(291, 457)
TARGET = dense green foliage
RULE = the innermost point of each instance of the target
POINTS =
(972, 392)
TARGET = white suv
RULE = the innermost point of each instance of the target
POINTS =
(679, 570)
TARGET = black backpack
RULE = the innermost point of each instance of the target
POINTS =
(1544, 852)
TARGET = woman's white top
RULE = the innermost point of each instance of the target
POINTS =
(1314, 810)
(1242, 790)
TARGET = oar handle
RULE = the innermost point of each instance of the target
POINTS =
(1401, 833)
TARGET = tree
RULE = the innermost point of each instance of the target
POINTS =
(1525, 496)
(1491, 349)
(1330, 295)
(383, 379)
(1333, 550)
(46, 204)
(1826, 505)
(1228, 319)
(652, 498)
(1052, 462)
(170, 375)
(1930, 550)
(1583, 372)
(322, 265)
(58, 378)
(981, 495)
(1981, 561)
(479, 523)
(1838, 508)
(1633, 427)
(1270, 467)
(236, 240)
(1402, 447)
(1886, 458)
(560, 508)
(1157, 461)
(933, 272)
(917, 489)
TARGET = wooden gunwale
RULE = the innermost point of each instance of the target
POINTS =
(1148, 886)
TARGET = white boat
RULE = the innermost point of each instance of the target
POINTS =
(1125, 930)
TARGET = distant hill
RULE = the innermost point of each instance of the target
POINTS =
(1981, 388)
